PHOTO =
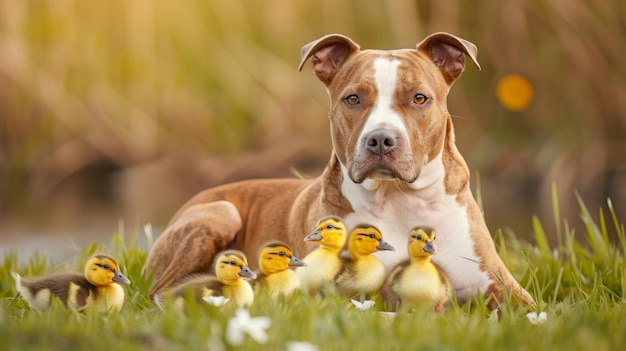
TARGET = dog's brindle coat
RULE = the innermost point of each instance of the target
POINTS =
(394, 165)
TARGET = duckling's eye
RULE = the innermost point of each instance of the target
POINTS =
(105, 266)
(352, 99)
(419, 99)
(329, 227)
(372, 235)
(419, 237)
(281, 253)
(233, 263)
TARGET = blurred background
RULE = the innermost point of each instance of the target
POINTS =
(113, 113)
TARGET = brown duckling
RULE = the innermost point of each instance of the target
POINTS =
(97, 287)
(229, 281)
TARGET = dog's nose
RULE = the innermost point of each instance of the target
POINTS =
(380, 142)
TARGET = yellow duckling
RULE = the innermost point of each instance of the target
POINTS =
(362, 274)
(231, 269)
(275, 276)
(98, 287)
(323, 263)
(418, 280)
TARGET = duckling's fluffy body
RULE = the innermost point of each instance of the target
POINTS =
(275, 276)
(362, 273)
(323, 263)
(419, 281)
(231, 269)
(97, 288)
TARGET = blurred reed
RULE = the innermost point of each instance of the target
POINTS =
(143, 103)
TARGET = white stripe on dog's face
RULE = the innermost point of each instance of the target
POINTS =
(383, 115)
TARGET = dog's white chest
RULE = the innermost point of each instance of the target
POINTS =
(395, 213)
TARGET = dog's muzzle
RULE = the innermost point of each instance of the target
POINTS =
(381, 142)
(383, 154)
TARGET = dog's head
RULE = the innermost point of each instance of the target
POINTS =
(388, 109)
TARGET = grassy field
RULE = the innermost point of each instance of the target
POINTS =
(580, 284)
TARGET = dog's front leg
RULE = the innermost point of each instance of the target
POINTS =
(190, 242)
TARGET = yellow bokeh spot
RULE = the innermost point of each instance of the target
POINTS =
(514, 92)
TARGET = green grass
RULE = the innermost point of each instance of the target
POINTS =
(579, 283)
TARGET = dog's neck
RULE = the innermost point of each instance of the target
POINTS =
(429, 186)
(395, 207)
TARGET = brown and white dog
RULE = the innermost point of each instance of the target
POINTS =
(394, 165)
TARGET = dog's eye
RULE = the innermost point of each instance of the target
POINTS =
(419, 99)
(352, 99)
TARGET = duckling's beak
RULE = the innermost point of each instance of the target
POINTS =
(120, 278)
(385, 246)
(316, 235)
(296, 262)
(247, 273)
(430, 247)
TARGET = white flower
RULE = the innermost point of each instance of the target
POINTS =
(535, 318)
(216, 301)
(365, 305)
(301, 346)
(243, 324)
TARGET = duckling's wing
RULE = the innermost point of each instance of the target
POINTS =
(78, 291)
(187, 283)
(345, 276)
(394, 278)
(72, 289)
(346, 268)
(396, 273)
(445, 281)
(200, 285)
(211, 287)
(446, 291)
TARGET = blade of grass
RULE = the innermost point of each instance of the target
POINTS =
(557, 214)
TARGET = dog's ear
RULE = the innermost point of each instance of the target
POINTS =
(329, 53)
(446, 51)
